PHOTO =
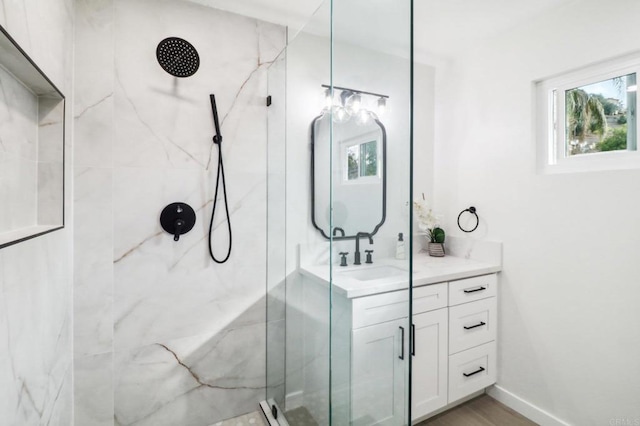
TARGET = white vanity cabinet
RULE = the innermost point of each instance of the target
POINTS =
(379, 354)
(455, 347)
(453, 330)
(472, 335)
(430, 357)
(378, 373)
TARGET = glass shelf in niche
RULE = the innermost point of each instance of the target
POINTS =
(32, 135)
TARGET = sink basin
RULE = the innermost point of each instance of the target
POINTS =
(373, 273)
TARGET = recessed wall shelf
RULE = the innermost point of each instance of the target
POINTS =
(32, 135)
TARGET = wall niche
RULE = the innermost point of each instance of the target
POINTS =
(32, 134)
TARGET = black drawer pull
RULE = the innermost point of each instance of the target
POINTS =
(401, 356)
(474, 326)
(480, 370)
(475, 289)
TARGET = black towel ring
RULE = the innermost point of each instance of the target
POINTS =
(471, 210)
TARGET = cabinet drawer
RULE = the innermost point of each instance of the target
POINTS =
(471, 371)
(472, 324)
(429, 298)
(470, 289)
(379, 308)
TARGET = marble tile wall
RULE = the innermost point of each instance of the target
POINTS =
(18, 154)
(35, 275)
(170, 336)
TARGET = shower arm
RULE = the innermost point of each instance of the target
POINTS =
(218, 137)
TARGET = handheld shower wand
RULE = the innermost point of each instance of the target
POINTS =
(217, 139)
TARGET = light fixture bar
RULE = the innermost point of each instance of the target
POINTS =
(355, 91)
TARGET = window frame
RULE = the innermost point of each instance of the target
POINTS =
(552, 144)
(358, 140)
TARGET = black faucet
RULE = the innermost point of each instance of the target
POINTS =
(338, 229)
(356, 255)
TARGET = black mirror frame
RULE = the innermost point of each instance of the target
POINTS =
(313, 186)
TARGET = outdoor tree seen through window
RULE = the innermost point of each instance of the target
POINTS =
(601, 116)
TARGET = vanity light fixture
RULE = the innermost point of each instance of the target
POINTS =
(345, 103)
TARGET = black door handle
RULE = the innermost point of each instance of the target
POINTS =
(475, 289)
(474, 326)
(413, 339)
(480, 370)
(401, 343)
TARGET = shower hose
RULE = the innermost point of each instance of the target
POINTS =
(217, 139)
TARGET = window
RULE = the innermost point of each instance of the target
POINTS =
(361, 156)
(587, 118)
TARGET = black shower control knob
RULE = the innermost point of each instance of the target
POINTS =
(177, 219)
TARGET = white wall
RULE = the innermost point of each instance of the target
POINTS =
(35, 275)
(569, 319)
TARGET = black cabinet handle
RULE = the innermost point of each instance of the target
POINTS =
(401, 343)
(474, 326)
(413, 339)
(475, 372)
(475, 289)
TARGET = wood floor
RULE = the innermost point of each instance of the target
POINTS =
(480, 411)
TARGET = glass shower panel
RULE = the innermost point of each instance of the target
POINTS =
(298, 292)
(276, 226)
(370, 178)
(339, 185)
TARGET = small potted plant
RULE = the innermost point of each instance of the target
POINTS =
(428, 224)
(436, 242)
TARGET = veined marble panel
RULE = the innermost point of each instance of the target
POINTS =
(164, 121)
(194, 381)
(18, 118)
(18, 154)
(166, 289)
(93, 278)
(151, 133)
(93, 97)
(35, 334)
(35, 275)
(93, 396)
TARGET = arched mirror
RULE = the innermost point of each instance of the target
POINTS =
(359, 174)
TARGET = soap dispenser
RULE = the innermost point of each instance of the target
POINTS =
(400, 252)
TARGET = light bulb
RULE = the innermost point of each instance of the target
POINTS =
(356, 102)
(382, 106)
(328, 99)
(340, 114)
(363, 117)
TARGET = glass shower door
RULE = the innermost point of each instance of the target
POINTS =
(371, 174)
(338, 193)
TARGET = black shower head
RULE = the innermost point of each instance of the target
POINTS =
(178, 57)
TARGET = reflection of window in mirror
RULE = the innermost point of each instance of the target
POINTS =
(360, 159)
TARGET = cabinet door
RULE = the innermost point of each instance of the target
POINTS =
(429, 367)
(378, 374)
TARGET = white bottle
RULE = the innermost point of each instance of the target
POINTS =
(400, 254)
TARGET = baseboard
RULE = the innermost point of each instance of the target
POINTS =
(524, 407)
(293, 400)
(448, 407)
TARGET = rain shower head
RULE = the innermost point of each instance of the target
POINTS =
(178, 57)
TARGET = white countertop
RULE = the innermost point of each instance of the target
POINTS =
(426, 270)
